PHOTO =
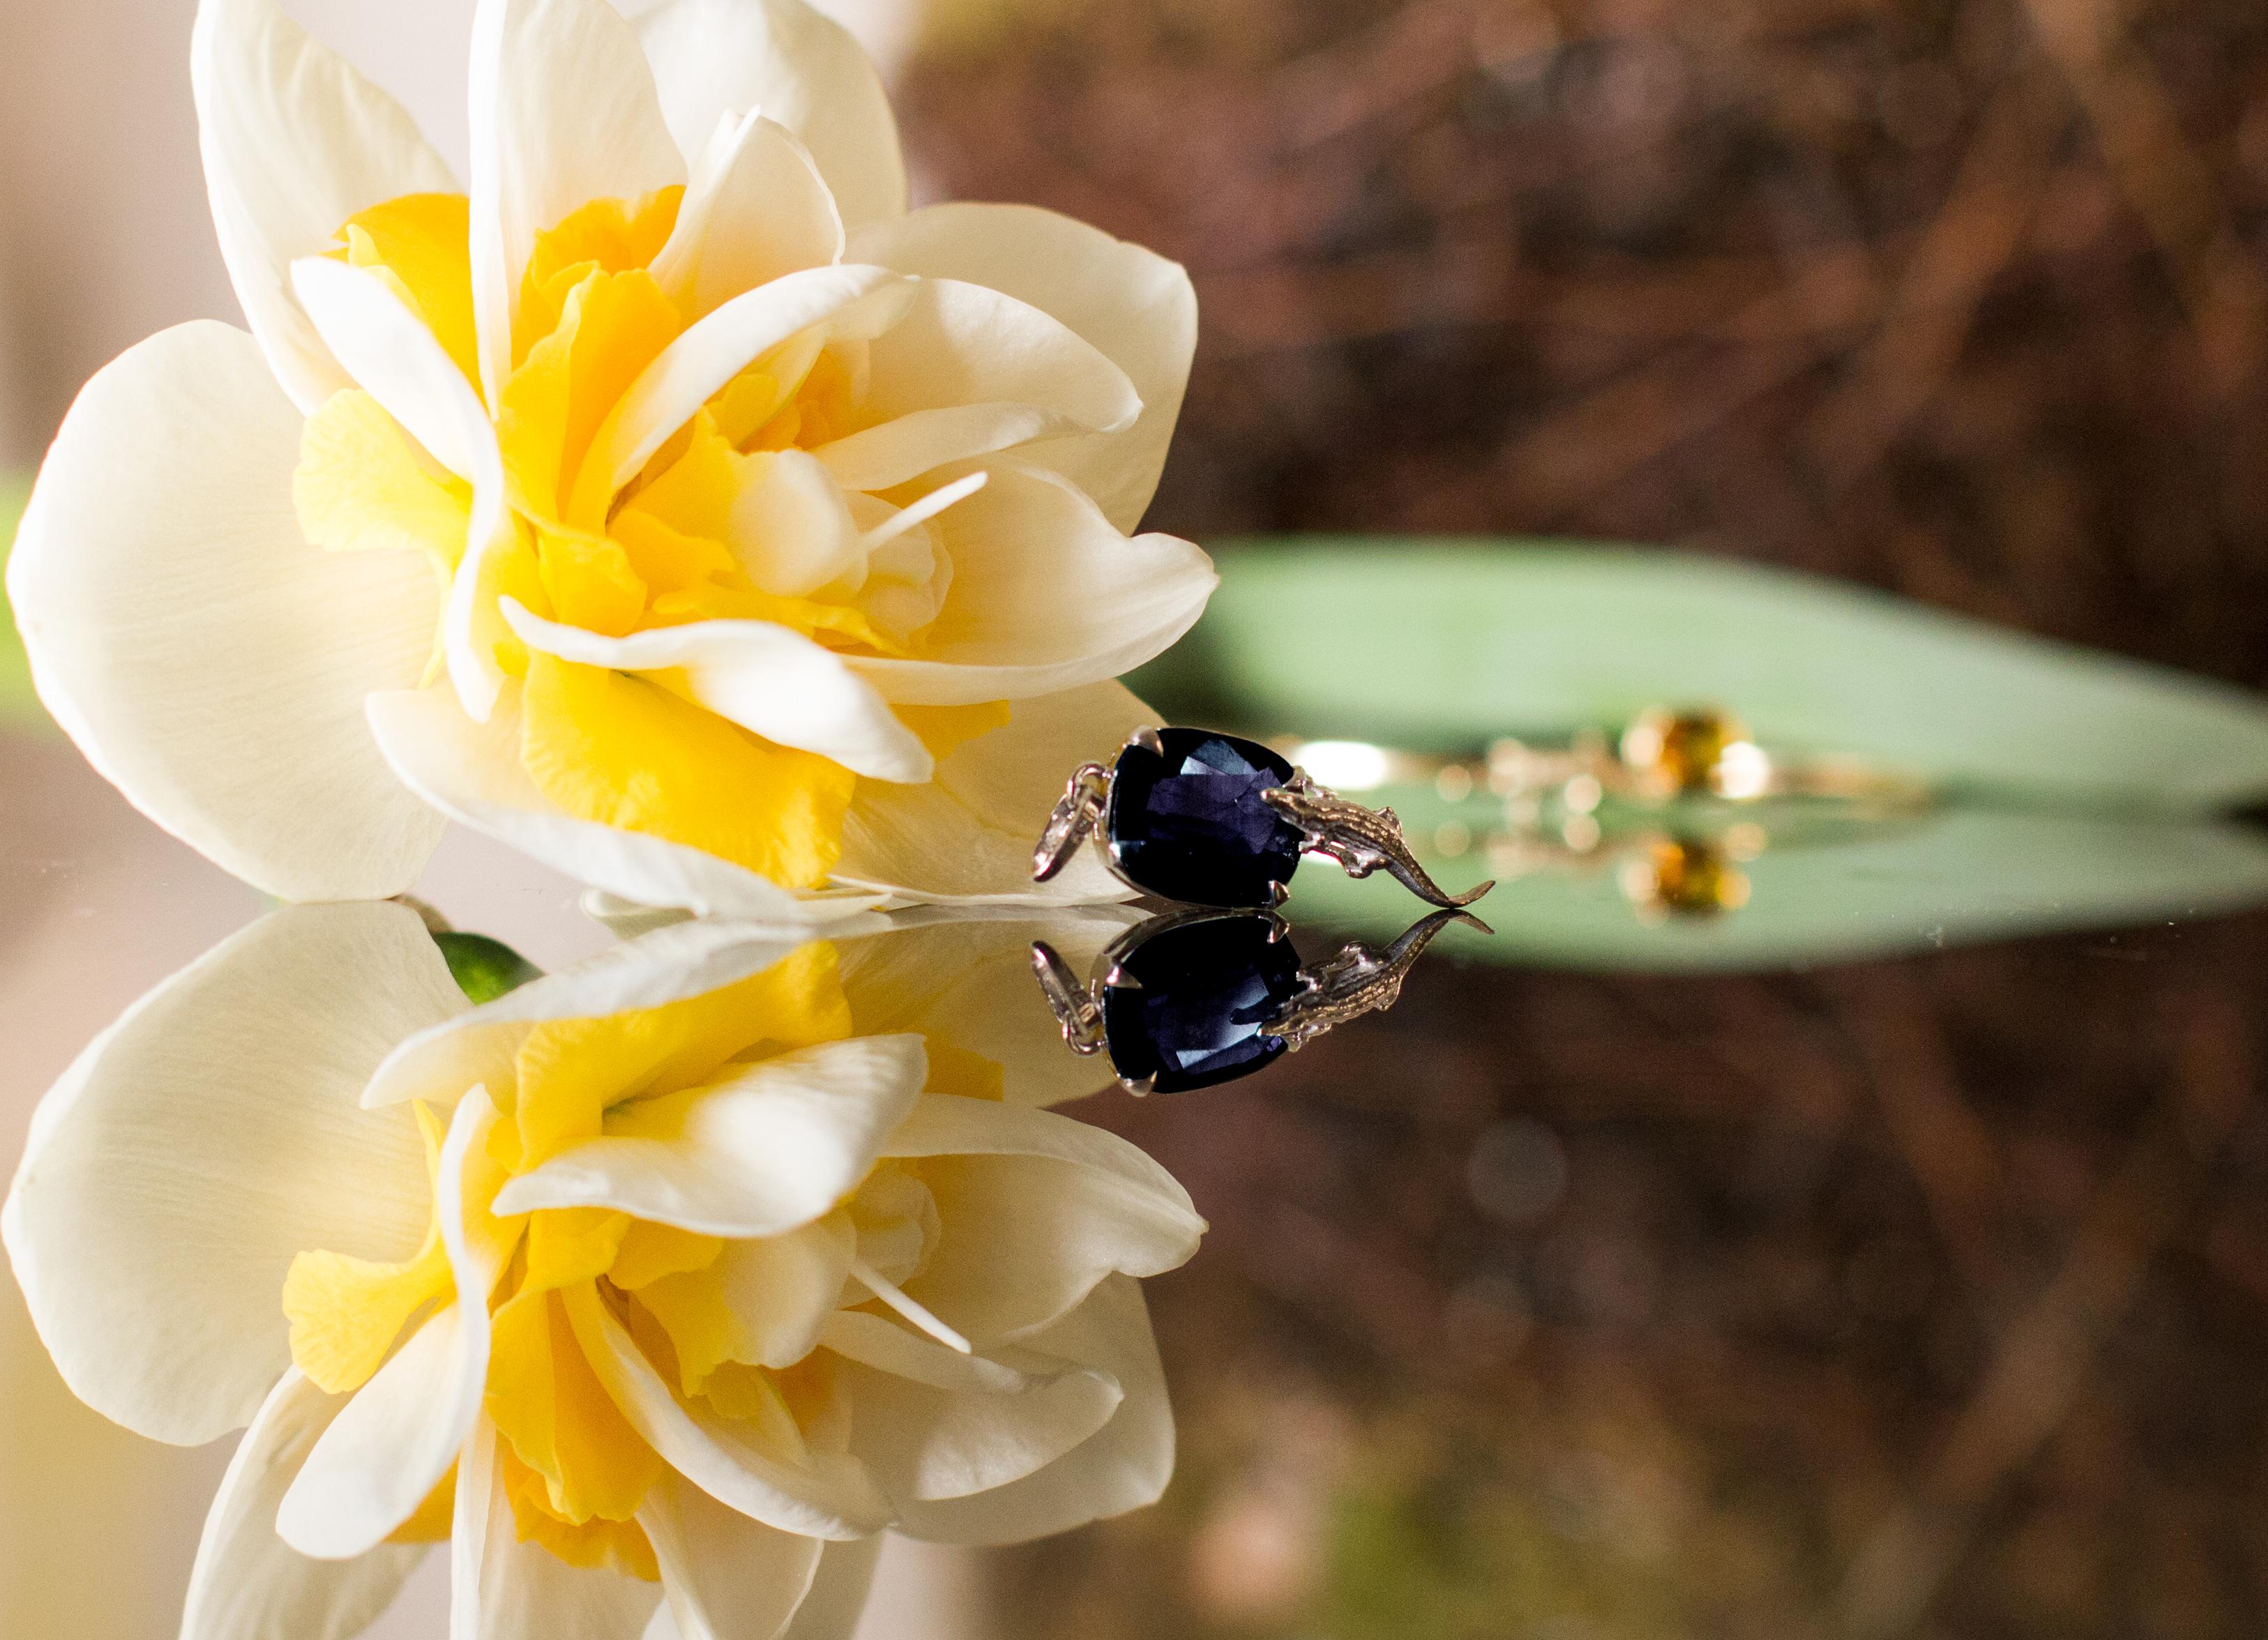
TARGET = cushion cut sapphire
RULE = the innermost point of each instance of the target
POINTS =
(1193, 824)
(1203, 993)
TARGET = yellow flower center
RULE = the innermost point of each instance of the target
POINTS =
(575, 1470)
(713, 528)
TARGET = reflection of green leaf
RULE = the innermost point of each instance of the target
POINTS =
(1445, 645)
(16, 701)
(484, 968)
(1950, 877)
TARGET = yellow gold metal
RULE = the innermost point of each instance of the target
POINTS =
(1661, 756)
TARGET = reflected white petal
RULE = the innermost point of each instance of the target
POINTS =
(726, 1577)
(248, 1583)
(204, 1140)
(770, 1146)
(1037, 1210)
(1124, 1464)
(828, 1496)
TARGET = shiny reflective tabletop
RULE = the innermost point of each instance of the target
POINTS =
(1862, 1238)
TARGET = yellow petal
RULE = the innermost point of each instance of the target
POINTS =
(668, 562)
(596, 1545)
(611, 327)
(693, 1311)
(422, 242)
(959, 1070)
(693, 494)
(589, 583)
(651, 1252)
(750, 1395)
(615, 749)
(570, 1244)
(436, 1518)
(570, 1072)
(945, 730)
(607, 236)
(558, 1419)
(360, 485)
(347, 1312)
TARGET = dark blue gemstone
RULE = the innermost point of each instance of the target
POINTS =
(1206, 991)
(1192, 825)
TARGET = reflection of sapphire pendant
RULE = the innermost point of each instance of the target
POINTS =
(1194, 999)
(1207, 818)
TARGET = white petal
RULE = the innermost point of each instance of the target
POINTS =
(204, 1140)
(1125, 1465)
(248, 1583)
(773, 682)
(716, 57)
(792, 528)
(501, 1588)
(969, 370)
(838, 1593)
(671, 963)
(828, 1496)
(757, 209)
(772, 1146)
(934, 1424)
(393, 356)
(1134, 305)
(471, 772)
(563, 112)
(1037, 1210)
(963, 976)
(401, 364)
(782, 1289)
(295, 143)
(396, 1438)
(694, 368)
(726, 1577)
(210, 662)
(382, 1455)
(966, 835)
(1046, 595)
(922, 441)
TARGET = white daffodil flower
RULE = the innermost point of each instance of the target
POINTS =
(670, 502)
(676, 1276)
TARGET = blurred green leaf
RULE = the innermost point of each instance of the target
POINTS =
(1952, 877)
(17, 703)
(1445, 645)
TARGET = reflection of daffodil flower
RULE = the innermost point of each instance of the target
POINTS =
(681, 1273)
(687, 513)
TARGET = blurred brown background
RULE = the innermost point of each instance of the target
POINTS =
(1962, 297)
